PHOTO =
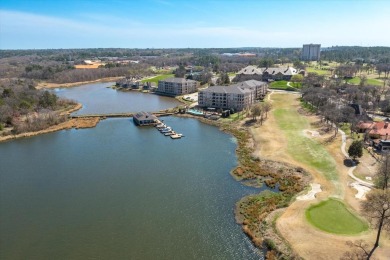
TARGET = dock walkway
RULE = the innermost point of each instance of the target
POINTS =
(118, 115)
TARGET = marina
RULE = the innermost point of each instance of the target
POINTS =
(167, 130)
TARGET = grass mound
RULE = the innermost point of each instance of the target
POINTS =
(332, 216)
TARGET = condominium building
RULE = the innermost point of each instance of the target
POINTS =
(177, 86)
(311, 52)
(237, 97)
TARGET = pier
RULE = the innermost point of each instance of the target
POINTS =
(113, 115)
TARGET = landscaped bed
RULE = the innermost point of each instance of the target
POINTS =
(332, 216)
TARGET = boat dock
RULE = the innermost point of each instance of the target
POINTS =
(167, 130)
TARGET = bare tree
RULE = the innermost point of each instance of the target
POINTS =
(267, 107)
(255, 111)
(359, 250)
(383, 173)
(376, 208)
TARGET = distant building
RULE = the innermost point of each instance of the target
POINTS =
(144, 118)
(237, 96)
(265, 74)
(311, 52)
(177, 86)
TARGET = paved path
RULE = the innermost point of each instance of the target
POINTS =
(350, 171)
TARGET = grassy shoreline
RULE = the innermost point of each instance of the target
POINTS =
(252, 212)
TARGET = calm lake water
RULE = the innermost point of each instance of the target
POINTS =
(99, 98)
(119, 191)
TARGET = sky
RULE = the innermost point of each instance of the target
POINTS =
(53, 24)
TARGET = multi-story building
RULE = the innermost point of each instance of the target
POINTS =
(259, 87)
(311, 52)
(177, 86)
(237, 97)
(265, 74)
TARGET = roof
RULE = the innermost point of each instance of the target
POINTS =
(250, 83)
(234, 89)
(251, 70)
(144, 115)
(177, 80)
(285, 71)
(376, 128)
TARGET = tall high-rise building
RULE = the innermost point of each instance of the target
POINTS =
(311, 52)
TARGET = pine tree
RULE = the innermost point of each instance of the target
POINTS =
(356, 149)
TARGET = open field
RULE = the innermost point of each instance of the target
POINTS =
(332, 216)
(157, 78)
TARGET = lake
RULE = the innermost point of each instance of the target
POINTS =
(100, 98)
(119, 191)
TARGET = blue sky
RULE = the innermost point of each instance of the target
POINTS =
(39, 24)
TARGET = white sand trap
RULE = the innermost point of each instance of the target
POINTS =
(362, 190)
(311, 133)
(311, 195)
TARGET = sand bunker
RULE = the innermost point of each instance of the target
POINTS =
(362, 190)
(311, 195)
(311, 133)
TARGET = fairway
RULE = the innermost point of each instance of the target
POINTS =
(299, 146)
(318, 71)
(332, 216)
(356, 81)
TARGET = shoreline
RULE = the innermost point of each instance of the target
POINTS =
(69, 124)
(48, 85)
(255, 172)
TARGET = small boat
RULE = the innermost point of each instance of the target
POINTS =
(170, 133)
(159, 126)
(176, 136)
(166, 130)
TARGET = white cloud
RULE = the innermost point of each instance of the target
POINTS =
(27, 30)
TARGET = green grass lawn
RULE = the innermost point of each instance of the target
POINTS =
(157, 78)
(356, 81)
(318, 71)
(282, 84)
(332, 216)
(299, 146)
